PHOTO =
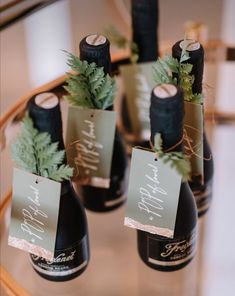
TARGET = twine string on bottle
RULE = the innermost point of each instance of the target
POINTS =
(189, 146)
(168, 149)
(152, 149)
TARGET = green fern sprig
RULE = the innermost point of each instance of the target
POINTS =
(89, 87)
(33, 151)
(176, 160)
(122, 42)
(165, 68)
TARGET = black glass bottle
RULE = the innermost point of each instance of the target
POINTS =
(158, 252)
(202, 190)
(96, 48)
(144, 15)
(71, 247)
(144, 28)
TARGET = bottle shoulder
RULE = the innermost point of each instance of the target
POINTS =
(69, 199)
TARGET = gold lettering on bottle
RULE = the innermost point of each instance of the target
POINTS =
(177, 247)
(59, 259)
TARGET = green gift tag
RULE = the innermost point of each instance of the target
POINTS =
(193, 136)
(89, 145)
(138, 82)
(153, 194)
(34, 214)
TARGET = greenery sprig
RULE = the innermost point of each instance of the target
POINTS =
(122, 42)
(177, 160)
(89, 87)
(34, 152)
(165, 68)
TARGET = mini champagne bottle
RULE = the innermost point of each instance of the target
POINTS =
(158, 252)
(202, 190)
(96, 48)
(71, 248)
(144, 29)
(144, 16)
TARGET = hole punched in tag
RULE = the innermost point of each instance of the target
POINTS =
(92, 114)
(38, 180)
(156, 156)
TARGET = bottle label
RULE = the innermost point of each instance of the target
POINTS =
(171, 252)
(203, 197)
(89, 141)
(116, 201)
(34, 216)
(65, 262)
(153, 194)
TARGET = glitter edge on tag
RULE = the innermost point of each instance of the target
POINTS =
(148, 228)
(31, 248)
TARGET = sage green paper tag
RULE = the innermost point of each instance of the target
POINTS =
(153, 194)
(89, 144)
(34, 214)
(138, 82)
(193, 137)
